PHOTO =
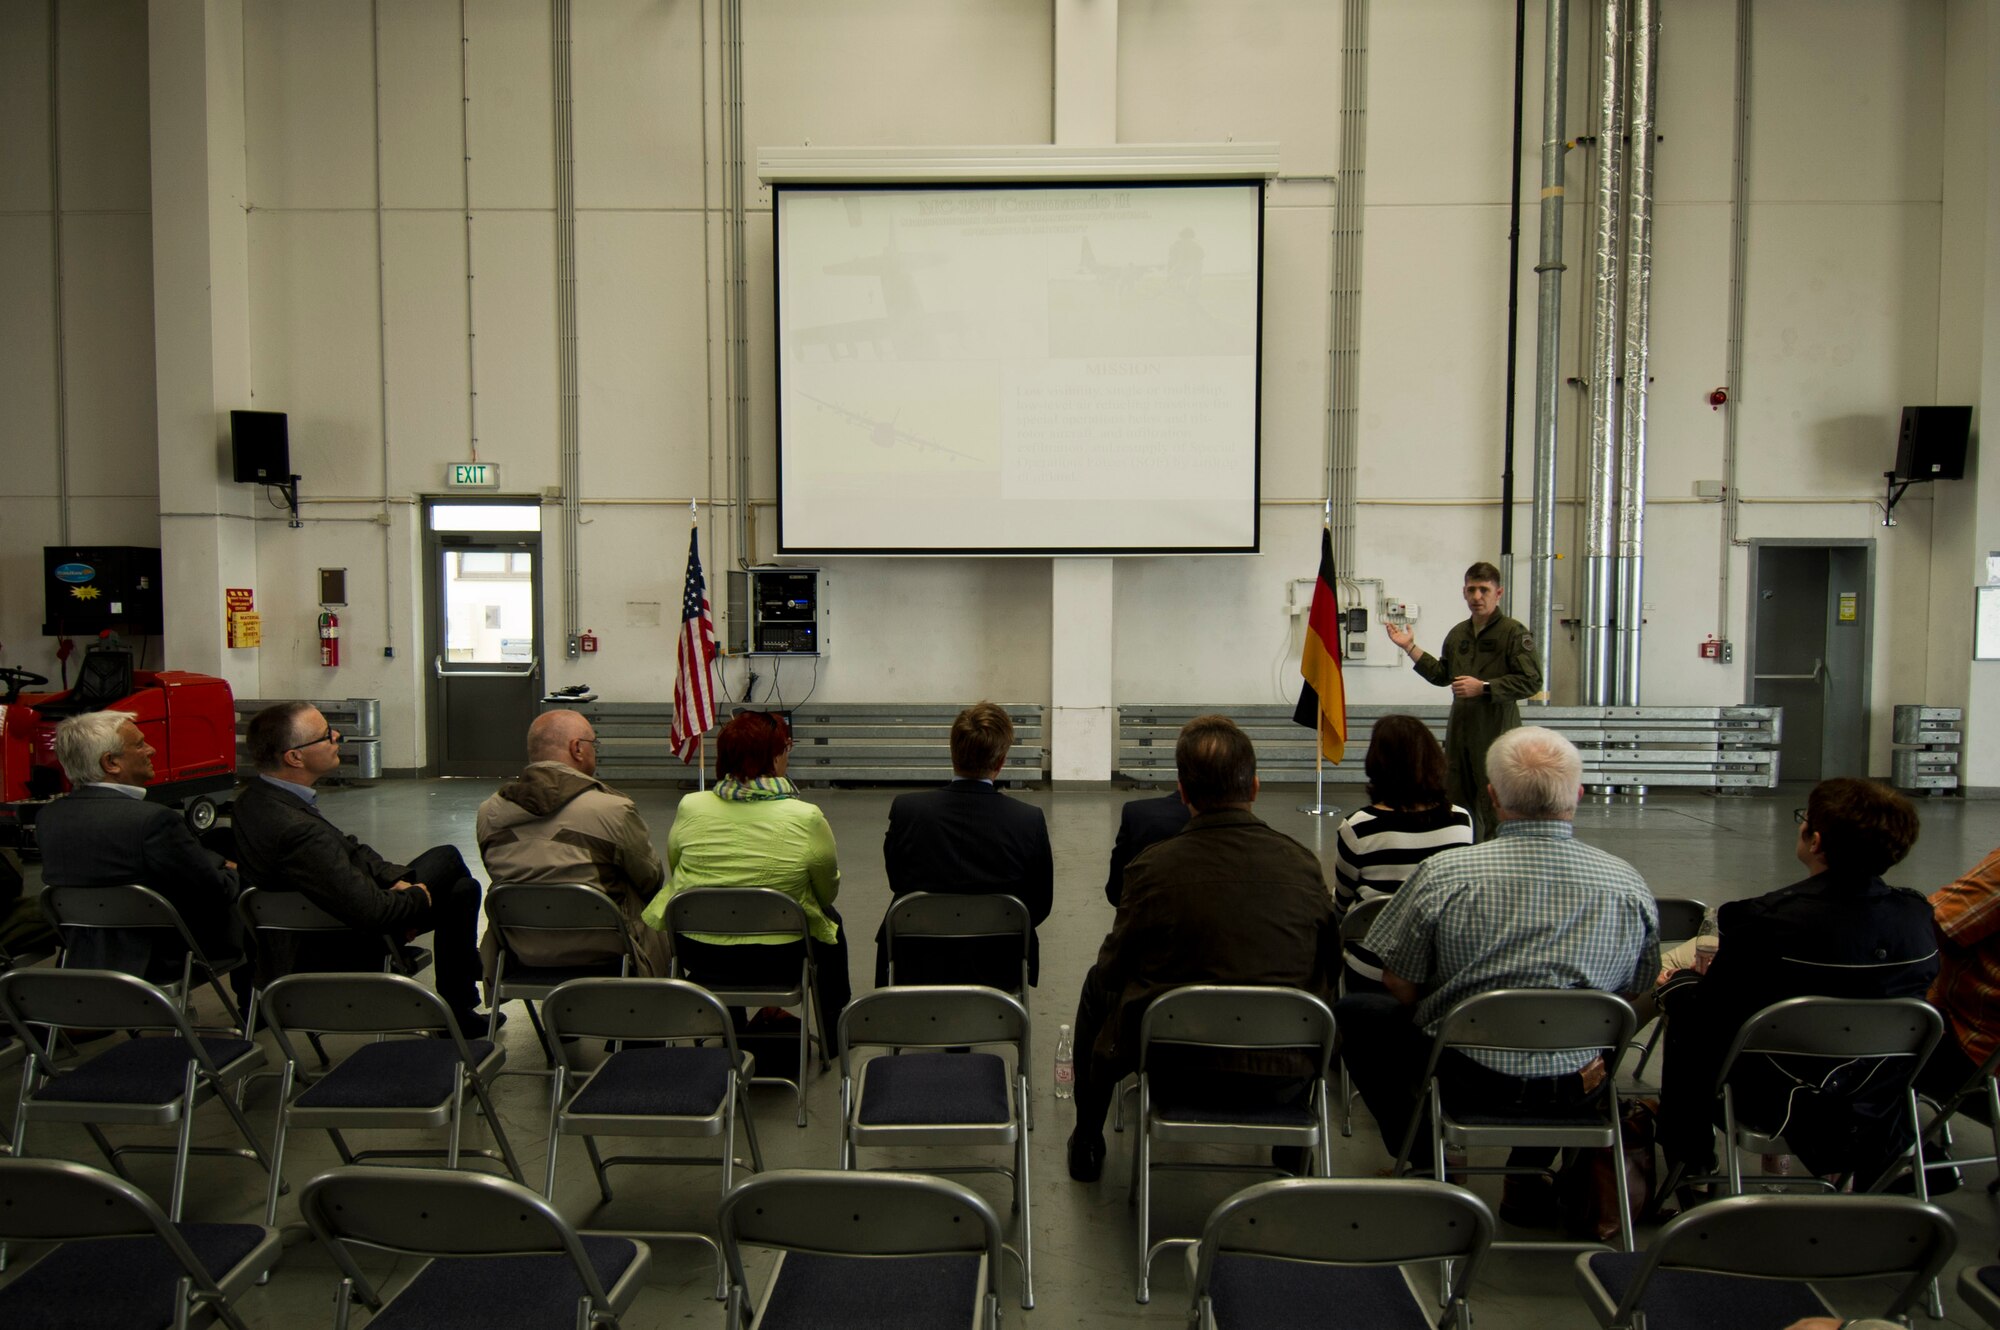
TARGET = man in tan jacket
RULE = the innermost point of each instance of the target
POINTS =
(559, 823)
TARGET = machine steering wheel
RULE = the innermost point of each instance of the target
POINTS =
(15, 680)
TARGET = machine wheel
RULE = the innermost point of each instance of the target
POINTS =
(200, 814)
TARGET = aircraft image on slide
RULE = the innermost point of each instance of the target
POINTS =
(907, 331)
(885, 433)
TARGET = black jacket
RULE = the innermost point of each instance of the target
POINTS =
(97, 837)
(968, 838)
(286, 844)
(1140, 823)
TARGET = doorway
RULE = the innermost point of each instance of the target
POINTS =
(483, 583)
(1811, 636)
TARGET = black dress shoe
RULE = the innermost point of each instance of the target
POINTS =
(1086, 1156)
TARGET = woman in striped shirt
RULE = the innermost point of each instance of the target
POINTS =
(1407, 820)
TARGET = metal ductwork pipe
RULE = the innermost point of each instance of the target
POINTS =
(1548, 326)
(1631, 604)
(1602, 456)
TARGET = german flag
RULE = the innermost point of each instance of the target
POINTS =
(1323, 700)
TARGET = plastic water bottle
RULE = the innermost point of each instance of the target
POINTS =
(1065, 1064)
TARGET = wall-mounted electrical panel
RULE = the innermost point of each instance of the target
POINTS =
(773, 611)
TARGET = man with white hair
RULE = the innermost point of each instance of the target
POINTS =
(104, 833)
(558, 823)
(1532, 908)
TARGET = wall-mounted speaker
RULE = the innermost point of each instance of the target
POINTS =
(260, 447)
(1931, 444)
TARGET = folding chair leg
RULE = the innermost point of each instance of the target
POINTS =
(1652, 1042)
(105, 1147)
(1346, 1101)
(597, 1167)
(278, 1147)
(185, 1144)
(749, 1124)
(541, 1033)
(555, 1130)
(1021, 1194)
(1142, 1180)
(1626, 1241)
(499, 1131)
(340, 1145)
(457, 1131)
(243, 1125)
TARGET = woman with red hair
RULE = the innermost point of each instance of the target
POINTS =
(753, 830)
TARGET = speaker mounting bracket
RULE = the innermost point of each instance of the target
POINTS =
(1896, 486)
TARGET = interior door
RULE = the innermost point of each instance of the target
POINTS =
(486, 635)
(1809, 653)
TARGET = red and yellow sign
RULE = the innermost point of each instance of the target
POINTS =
(246, 626)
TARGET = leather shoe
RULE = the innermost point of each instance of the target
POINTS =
(1086, 1156)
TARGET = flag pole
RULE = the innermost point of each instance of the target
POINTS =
(1318, 808)
(701, 740)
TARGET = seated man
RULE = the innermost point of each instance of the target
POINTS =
(1532, 908)
(1227, 901)
(105, 834)
(1140, 823)
(968, 838)
(1967, 989)
(288, 845)
(559, 823)
(1841, 932)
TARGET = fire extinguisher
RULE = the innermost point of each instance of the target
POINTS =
(329, 638)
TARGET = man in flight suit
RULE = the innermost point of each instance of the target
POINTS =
(1489, 664)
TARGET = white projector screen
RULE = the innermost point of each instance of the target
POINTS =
(1019, 368)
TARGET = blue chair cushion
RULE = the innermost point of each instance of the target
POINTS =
(503, 1292)
(873, 1293)
(72, 1286)
(657, 1082)
(397, 1073)
(969, 1088)
(138, 1071)
(1272, 1294)
(1695, 1300)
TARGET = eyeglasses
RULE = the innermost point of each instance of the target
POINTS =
(1799, 816)
(592, 741)
(332, 736)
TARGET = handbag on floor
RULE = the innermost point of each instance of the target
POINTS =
(1587, 1183)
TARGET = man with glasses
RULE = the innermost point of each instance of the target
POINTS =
(558, 823)
(287, 844)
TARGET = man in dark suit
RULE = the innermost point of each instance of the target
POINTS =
(288, 845)
(969, 839)
(105, 834)
(1140, 823)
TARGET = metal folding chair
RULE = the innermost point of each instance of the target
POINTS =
(897, 1251)
(568, 914)
(122, 1262)
(754, 912)
(135, 909)
(682, 1092)
(1680, 920)
(1979, 1285)
(925, 920)
(417, 1082)
(156, 1080)
(501, 1255)
(936, 1098)
(1537, 1020)
(1978, 1099)
(1751, 1260)
(1226, 1018)
(270, 915)
(13, 1053)
(1335, 1244)
(1354, 926)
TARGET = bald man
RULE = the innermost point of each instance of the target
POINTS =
(559, 823)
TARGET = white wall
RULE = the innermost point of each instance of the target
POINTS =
(1854, 309)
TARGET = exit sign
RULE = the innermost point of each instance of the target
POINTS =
(473, 476)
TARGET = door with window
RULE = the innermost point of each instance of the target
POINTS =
(1812, 604)
(485, 626)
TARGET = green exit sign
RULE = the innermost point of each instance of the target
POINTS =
(473, 476)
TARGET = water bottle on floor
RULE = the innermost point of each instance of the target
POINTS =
(1065, 1064)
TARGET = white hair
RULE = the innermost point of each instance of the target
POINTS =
(1535, 772)
(83, 742)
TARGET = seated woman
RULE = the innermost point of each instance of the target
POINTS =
(1408, 819)
(753, 830)
(1842, 932)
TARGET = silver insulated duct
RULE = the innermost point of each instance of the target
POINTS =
(1601, 457)
(1631, 606)
(1548, 327)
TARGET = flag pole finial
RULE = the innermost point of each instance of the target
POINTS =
(1326, 514)
(694, 514)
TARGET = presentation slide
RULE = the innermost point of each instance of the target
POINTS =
(1018, 369)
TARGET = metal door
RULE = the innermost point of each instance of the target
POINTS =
(485, 614)
(1809, 651)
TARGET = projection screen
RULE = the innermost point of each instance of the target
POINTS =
(1018, 368)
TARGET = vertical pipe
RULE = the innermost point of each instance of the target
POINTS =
(1638, 309)
(567, 432)
(1513, 304)
(1548, 326)
(1602, 456)
(382, 333)
(735, 308)
(1739, 253)
(1349, 204)
(465, 182)
(56, 273)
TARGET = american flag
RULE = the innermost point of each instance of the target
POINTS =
(694, 663)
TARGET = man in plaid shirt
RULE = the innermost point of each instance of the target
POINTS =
(1532, 908)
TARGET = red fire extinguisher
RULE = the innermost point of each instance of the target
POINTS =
(329, 638)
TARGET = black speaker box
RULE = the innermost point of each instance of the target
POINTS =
(260, 447)
(86, 589)
(1931, 444)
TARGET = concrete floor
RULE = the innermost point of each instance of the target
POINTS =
(1714, 848)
